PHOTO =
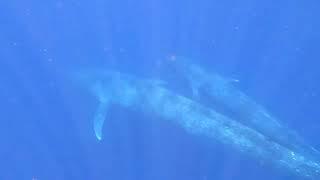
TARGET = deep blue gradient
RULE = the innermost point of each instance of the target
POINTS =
(271, 47)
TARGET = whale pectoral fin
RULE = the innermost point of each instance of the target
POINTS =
(99, 118)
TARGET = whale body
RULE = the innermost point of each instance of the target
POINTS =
(151, 97)
(223, 94)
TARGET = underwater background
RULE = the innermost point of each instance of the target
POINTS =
(270, 47)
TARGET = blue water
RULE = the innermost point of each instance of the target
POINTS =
(271, 47)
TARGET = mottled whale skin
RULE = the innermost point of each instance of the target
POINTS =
(149, 96)
(223, 94)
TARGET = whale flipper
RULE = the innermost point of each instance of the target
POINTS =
(101, 112)
(99, 118)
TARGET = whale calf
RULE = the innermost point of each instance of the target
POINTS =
(151, 97)
(222, 94)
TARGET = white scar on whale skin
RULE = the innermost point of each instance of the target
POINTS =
(147, 96)
(222, 92)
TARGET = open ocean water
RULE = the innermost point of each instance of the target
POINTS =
(269, 48)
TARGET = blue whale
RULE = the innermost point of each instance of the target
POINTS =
(151, 97)
(223, 94)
